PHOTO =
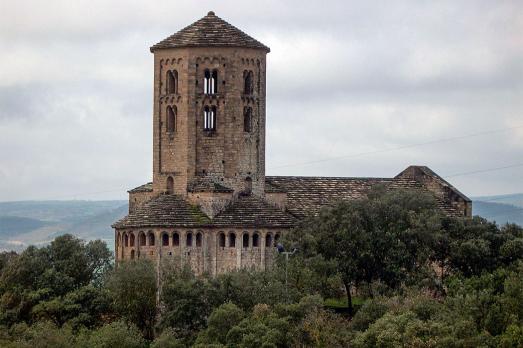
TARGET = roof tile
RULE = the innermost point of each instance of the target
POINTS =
(211, 30)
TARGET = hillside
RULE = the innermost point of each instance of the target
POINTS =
(38, 222)
(502, 209)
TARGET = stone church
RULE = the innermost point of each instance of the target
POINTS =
(210, 204)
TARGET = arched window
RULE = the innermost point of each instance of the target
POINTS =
(165, 239)
(245, 240)
(170, 185)
(221, 240)
(176, 239)
(255, 240)
(210, 82)
(209, 118)
(268, 240)
(198, 240)
(248, 186)
(214, 82)
(172, 82)
(171, 119)
(232, 240)
(131, 242)
(247, 85)
(247, 119)
(142, 239)
(126, 240)
(189, 240)
(132, 254)
(276, 238)
(150, 237)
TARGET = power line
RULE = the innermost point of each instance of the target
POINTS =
(485, 170)
(401, 147)
(364, 154)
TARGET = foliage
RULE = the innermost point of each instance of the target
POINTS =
(57, 282)
(133, 287)
(115, 334)
(420, 279)
(385, 237)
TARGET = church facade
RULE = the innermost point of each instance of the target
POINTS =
(210, 204)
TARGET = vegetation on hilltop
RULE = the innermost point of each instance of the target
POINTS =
(415, 278)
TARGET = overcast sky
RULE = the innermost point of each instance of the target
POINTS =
(351, 86)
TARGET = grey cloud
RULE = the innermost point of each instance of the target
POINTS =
(354, 76)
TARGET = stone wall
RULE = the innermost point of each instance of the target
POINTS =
(213, 251)
(136, 199)
(228, 155)
(446, 193)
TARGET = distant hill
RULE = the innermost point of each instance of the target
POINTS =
(514, 199)
(501, 209)
(38, 222)
(14, 225)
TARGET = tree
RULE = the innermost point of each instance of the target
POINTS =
(383, 237)
(115, 334)
(221, 320)
(187, 300)
(132, 287)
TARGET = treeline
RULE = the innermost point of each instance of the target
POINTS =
(387, 271)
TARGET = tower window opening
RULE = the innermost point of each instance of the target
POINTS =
(209, 118)
(172, 82)
(210, 82)
(170, 185)
(248, 186)
(142, 239)
(232, 240)
(126, 240)
(165, 239)
(268, 240)
(247, 119)
(150, 237)
(255, 240)
(247, 85)
(131, 240)
(221, 241)
(246, 240)
(176, 239)
(198, 240)
(189, 240)
(171, 119)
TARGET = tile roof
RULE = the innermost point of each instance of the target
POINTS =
(307, 195)
(249, 211)
(173, 210)
(143, 188)
(164, 210)
(207, 185)
(211, 30)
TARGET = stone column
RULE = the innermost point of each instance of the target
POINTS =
(239, 246)
(263, 235)
(183, 240)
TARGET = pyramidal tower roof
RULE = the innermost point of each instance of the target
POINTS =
(211, 30)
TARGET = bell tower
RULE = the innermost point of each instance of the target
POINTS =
(209, 111)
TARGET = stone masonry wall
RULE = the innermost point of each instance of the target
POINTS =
(213, 251)
(228, 155)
